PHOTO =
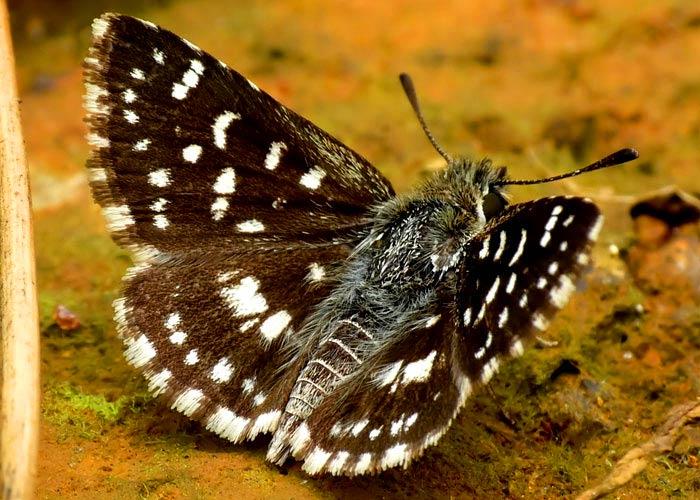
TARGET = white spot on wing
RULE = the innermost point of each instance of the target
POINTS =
(188, 401)
(99, 28)
(178, 337)
(141, 145)
(410, 421)
(544, 241)
(492, 291)
(248, 385)
(220, 125)
(516, 348)
(159, 178)
(559, 296)
(158, 56)
(219, 207)
(485, 248)
(130, 116)
(316, 460)
(189, 80)
(316, 272)
(225, 182)
(192, 357)
(503, 317)
(432, 321)
(273, 325)
(160, 221)
(396, 426)
(387, 374)
(358, 427)
(501, 245)
(159, 205)
(363, 463)
(511, 283)
(222, 371)
(521, 247)
(396, 455)
(539, 322)
(129, 96)
(272, 159)
(139, 351)
(227, 424)
(467, 316)
(118, 217)
(489, 370)
(336, 465)
(300, 438)
(191, 153)
(595, 230)
(244, 298)
(158, 382)
(250, 226)
(266, 422)
(137, 74)
(312, 178)
(418, 371)
(97, 175)
(97, 141)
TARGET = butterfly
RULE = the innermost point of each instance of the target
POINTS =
(281, 286)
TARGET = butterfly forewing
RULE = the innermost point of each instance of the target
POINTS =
(185, 147)
(519, 272)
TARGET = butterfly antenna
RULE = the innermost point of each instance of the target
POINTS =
(410, 91)
(617, 158)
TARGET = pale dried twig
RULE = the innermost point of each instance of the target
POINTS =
(638, 458)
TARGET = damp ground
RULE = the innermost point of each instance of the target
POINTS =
(541, 88)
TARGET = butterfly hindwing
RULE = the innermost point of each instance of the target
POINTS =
(207, 333)
(183, 146)
(404, 403)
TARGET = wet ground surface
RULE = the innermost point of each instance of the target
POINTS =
(540, 88)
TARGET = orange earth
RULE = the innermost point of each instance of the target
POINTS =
(540, 86)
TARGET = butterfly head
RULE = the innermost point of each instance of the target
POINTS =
(473, 189)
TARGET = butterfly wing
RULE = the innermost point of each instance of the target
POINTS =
(527, 261)
(207, 333)
(185, 148)
(414, 388)
(237, 209)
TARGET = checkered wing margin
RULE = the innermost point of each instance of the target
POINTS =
(515, 275)
(207, 333)
(186, 149)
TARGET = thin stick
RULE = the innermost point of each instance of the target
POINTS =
(18, 299)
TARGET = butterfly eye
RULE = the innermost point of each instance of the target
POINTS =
(493, 205)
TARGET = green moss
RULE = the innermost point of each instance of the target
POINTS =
(75, 412)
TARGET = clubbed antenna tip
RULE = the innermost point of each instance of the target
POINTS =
(616, 158)
(410, 91)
